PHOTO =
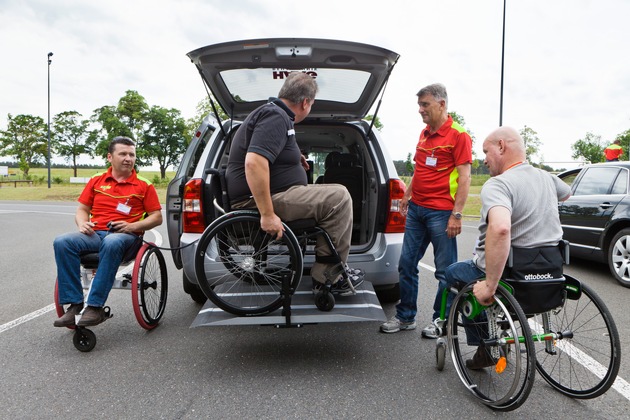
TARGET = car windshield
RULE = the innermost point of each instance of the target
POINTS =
(338, 85)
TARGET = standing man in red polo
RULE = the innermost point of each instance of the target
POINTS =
(434, 203)
(114, 208)
(613, 152)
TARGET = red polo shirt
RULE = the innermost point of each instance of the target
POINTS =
(111, 200)
(435, 178)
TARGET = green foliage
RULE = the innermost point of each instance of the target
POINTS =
(203, 108)
(377, 122)
(69, 137)
(25, 139)
(589, 148)
(532, 143)
(624, 139)
(164, 139)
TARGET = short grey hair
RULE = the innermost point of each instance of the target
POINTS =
(437, 90)
(297, 87)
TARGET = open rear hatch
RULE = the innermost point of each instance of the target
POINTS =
(243, 75)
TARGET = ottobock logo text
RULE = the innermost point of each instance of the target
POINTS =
(538, 276)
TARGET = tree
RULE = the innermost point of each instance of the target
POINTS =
(532, 143)
(164, 139)
(377, 122)
(624, 138)
(69, 136)
(128, 118)
(25, 140)
(460, 120)
(589, 148)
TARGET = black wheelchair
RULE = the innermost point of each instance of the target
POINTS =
(143, 271)
(556, 326)
(246, 272)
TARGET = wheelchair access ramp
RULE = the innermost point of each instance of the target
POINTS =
(364, 306)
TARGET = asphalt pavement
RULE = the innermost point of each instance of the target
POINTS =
(347, 370)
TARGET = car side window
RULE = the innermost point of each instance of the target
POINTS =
(621, 183)
(597, 181)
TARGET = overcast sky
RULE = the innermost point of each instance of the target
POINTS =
(567, 67)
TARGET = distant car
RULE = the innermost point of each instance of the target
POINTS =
(596, 218)
(341, 146)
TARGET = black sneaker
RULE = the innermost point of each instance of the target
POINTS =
(354, 275)
(481, 359)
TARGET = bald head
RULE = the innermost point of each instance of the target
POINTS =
(503, 147)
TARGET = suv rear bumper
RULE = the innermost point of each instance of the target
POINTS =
(380, 262)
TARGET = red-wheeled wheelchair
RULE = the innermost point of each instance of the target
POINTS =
(143, 271)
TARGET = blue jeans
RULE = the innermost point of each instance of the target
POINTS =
(68, 249)
(465, 272)
(423, 226)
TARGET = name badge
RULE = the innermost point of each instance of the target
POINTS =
(431, 161)
(123, 208)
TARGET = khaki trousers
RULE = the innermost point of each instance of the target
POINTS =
(331, 207)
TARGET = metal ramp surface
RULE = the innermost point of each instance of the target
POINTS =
(364, 306)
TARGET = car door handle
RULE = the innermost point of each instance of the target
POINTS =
(605, 205)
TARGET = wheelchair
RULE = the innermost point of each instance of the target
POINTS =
(558, 327)
(143, 271)
(246, 272)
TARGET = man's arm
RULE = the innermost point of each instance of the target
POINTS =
(454, 226)
(257, 175)
(82, 219)
(498, 242)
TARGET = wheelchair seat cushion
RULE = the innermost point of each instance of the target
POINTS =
(90, 259)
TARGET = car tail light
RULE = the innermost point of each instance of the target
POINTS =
(192, 209)
(395, 222)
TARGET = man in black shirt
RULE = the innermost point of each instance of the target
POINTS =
(267, 170)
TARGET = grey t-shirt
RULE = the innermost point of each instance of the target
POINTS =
(531, 195)
(267, 131)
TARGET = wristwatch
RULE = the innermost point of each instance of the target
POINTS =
(457, 215)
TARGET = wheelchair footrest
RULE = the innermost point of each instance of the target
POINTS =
(364, 306)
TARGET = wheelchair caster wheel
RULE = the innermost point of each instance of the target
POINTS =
(325, 301)
(84, 339)
(440, 353)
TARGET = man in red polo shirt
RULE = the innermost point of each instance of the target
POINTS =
(613, 152)
(114, 208)
(433, 202)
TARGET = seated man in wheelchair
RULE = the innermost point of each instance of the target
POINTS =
(519, 212)
(266, 170)
(110, 218)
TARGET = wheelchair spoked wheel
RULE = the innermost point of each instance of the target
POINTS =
(506, 339)
(149, 286)
(584, 362)
(84, 339)
(241, 268)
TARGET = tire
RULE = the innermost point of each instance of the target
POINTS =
(84, 340)
(193, 290)
(325, 301)
(591, 339)
(619, 257)
(440, 353)
(506, 385)
(149, 286)
(240, 268)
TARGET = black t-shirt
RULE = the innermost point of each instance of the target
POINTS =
(267, 131)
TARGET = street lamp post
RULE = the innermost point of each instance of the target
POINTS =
(49, 61)
(502, 62)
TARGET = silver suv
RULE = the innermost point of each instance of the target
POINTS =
(340, 145)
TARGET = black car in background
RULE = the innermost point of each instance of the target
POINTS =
(596, 218)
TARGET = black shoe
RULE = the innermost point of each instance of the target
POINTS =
(354, 275)
(67, 319)
(481, 359)
(93, 316)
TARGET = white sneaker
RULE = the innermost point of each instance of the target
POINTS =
(430, 331)
(394, 325)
